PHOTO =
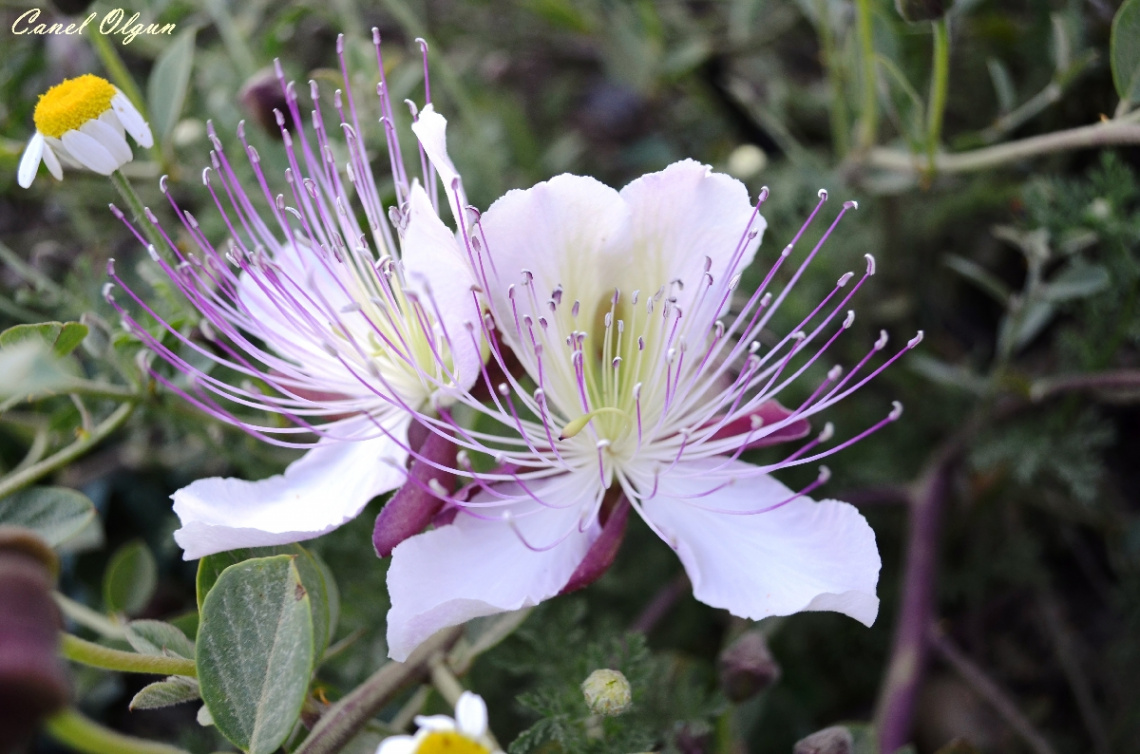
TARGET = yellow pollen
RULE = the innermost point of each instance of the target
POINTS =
(71, 103)
(449, 742)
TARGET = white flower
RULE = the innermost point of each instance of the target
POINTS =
(328, 324)
(641, 391)
(81, 122)
(439, 734)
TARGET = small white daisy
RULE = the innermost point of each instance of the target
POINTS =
(80, 123)
(440, 734)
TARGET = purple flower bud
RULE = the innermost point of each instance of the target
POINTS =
(261, 98)
(747, 667)
(835, 740)
(33, 682)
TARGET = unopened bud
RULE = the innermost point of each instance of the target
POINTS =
(261, 97)
(747, 667)
(914, 11)
(33, 682)
(607, 692)
(836, 740)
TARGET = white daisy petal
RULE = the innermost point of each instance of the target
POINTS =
(471, 715)
(30, 162)
(325, 488)
(132, 120)
(52, 162)
(106, 135)
(397, 745)
(89, 153)
(112, 120)
(435, 722)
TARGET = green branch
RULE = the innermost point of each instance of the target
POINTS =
(344, 719)
(21, 479)
(73, 729)
(869, 114)
(939, 86)
(90, 388)
(98, 656)
(1097, 135)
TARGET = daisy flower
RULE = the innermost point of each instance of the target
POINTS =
(333, 314)
(644, 383)
(81, 123)
(440, 734)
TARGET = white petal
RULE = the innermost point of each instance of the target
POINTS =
(113, 121)
(30, 162)
(801, 556)
(89, 153)
(431, 129)
(475, 567)
(325, 488)
(397, 745)
(132, 120)
(682, 215)
(296, 317)
(435, 722)
(560, 230)
(106, 135)
(433, 259)
(52, 163)
(471, 715)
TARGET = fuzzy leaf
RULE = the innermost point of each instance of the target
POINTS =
(174, 690)
(55, 513)
(154, 637)
(130, 578)
(255, 651)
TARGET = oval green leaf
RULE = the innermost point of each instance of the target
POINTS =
(174, 690)
(61, 337)
(316, 578)
(255, 651)
(168, 83)
(55, 513)
(1124, 51)
(130, 578)
(154, 637)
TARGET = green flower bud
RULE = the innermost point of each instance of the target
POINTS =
(607, 692)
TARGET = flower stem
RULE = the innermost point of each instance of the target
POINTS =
(1095, 135)
(869, 115)
(98, 656)
(939, 85)
(347, 717)
(87, 617)
(21, 479)
(835, 75)
(138, 211)
(73, 729)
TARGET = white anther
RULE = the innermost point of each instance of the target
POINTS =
(827, 433)
(870, 264)
(208, 331)
(896, 411)
(603, 443)
(851, 204)
(637, 391)
(834, 373)
(152, 251)
(881, 343)
(756, 421)
(824, 474)
(435, 486)
(503, 389)
(754, 346)
(849, 319)
(844, 279)
(915, 340)
(107, 288)
(823, 194)
(765, 300)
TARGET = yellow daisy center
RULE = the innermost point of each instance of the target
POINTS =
(71, 103)
(449, 742)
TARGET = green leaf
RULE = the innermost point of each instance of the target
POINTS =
(61, 337)
(154, 637)
(29, 367)
(174, 690)
(130, 578)
(1124, 50)
(55, 513)
(1076, 281)
(168, 83)
(324, 600)
(255, 651)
